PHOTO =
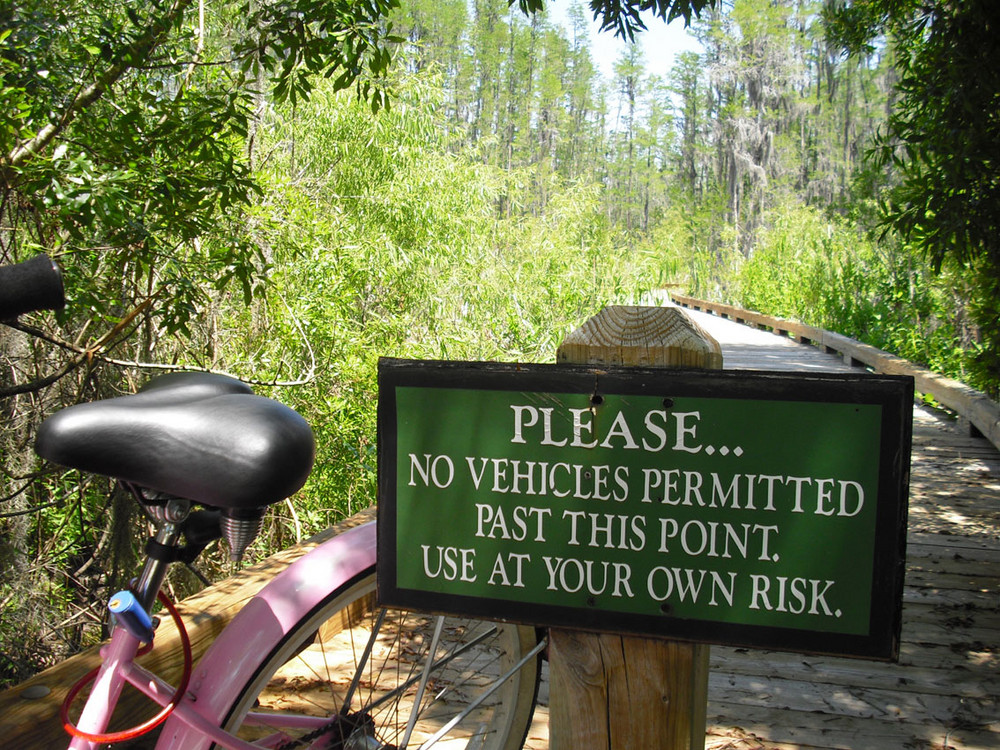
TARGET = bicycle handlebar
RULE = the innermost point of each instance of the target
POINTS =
(34, 284)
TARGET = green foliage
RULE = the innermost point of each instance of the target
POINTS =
(622, 16)
(944, 136)
(818, 269)
(293, 40)
(126, 135)
(696, 247)
(942, 139)
(385, 244)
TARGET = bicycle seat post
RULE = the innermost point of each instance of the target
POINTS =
(169, 516)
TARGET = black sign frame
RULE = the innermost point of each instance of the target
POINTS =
(894, 394)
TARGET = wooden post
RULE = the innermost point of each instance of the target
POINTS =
(620, 692)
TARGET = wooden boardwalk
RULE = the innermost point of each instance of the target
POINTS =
(944, 694)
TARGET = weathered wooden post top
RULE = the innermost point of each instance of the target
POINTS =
(641, 336)
(621, 692)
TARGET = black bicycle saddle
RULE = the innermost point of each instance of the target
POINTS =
(198, 436)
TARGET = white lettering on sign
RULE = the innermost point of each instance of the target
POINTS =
(715, 539)
(440, 470)
(450, 563)
(794, 595)
(500, 576)
(753, 492)
(621, 506)
(535, 424)
(688, 585)
(505, 476)
(597, 577)
(518, 523)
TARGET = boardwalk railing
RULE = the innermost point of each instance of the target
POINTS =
(976, 408)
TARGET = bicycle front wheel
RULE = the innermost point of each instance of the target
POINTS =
(352, 676)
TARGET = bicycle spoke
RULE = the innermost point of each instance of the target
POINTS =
(483, 696)
(397, 679)
(363, 661)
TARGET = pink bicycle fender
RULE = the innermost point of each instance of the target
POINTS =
(254, 632)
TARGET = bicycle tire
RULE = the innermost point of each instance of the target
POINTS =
(309, 672)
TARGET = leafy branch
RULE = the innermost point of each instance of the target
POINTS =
(140, 49)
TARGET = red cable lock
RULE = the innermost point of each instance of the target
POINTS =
(141, 729)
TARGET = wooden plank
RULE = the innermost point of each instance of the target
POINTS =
(943, 679)
(986, 550)
(964, 575)
(929, 475)
(853, 701)
(979, 660)
(929, 520)
(972, 498)
(925, 625)
(945, 449)
(931, 478)
(937, 596)
(778, 728)
(938, 447)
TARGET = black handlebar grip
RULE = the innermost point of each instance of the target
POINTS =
(35, 284)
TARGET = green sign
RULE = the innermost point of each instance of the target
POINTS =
(743, 508)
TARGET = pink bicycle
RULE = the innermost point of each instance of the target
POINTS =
(311, 661)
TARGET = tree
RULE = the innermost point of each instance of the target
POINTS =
(942, 137)
(122, 129)
(622, 194)
(126, 144)
(126, 151)
(686, 80)
(577, 143)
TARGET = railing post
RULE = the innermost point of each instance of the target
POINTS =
(618, 692)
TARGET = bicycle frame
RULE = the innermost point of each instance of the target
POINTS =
(230, 661)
